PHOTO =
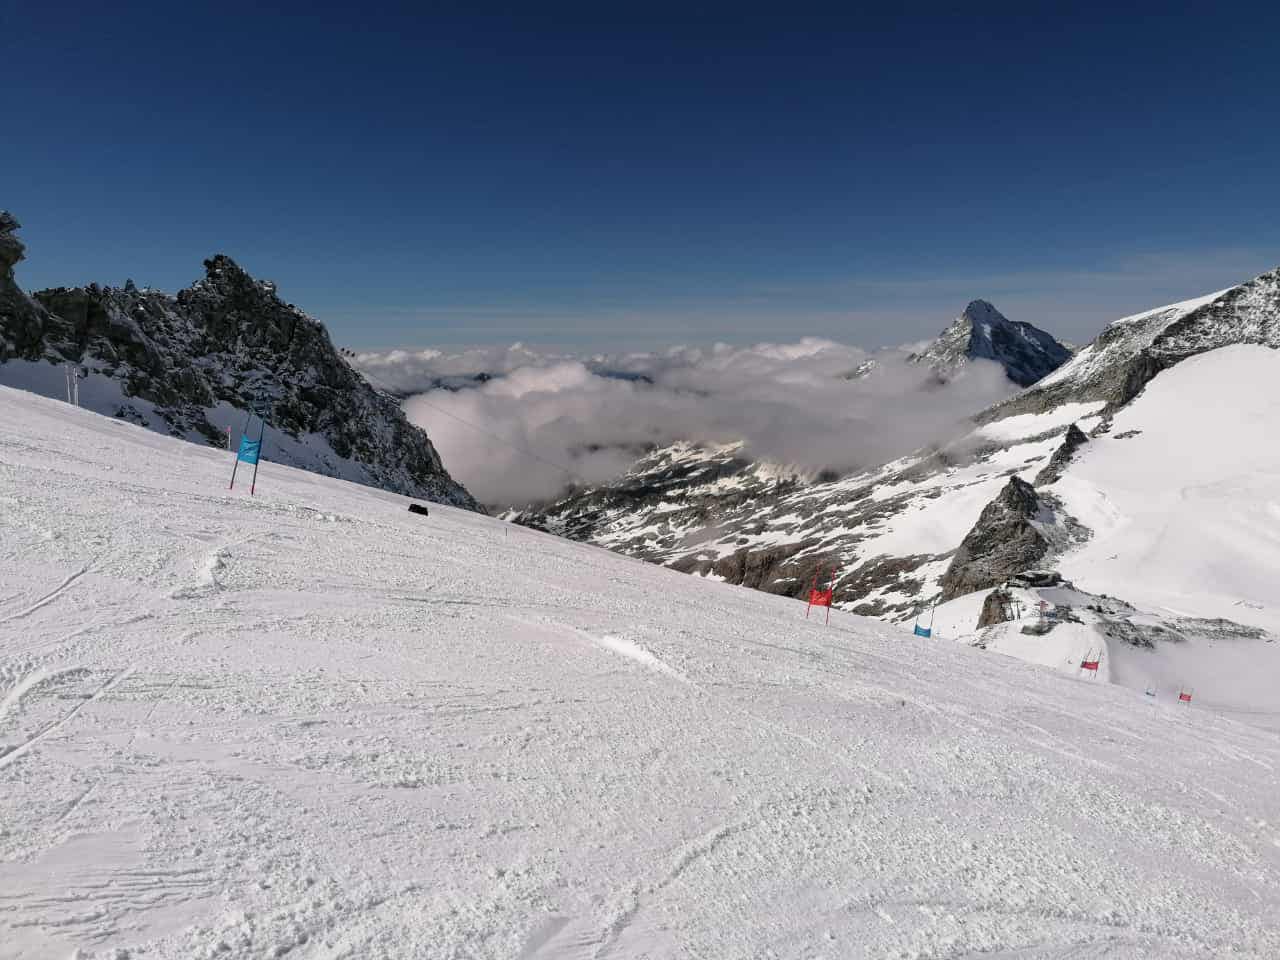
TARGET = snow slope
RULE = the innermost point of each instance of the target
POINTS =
(312, 724)
(1183, 493)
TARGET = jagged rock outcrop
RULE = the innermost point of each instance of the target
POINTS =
(190, 365)
(1007, 539)
(1071, 442)
(22, 320)
(983, 332)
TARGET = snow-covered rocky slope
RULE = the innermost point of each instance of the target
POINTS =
(1175, 584)
(1131, 351)
(685, 493)
(191, 365)
(312, 724)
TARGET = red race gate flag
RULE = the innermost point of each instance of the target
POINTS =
(1090, 662)
(1185, 696)
(821, 598)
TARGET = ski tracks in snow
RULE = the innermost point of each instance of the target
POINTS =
(30, 744)
(49, 597)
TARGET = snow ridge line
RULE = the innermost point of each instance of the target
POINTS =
(24, 748)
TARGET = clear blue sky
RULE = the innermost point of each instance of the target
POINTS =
(575, 174)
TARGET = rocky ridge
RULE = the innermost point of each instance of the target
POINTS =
(192, 364)
(1131, 351)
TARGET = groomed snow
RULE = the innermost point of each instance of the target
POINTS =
(312, 724)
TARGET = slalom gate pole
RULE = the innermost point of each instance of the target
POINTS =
(811, 591)
(236, 465)
(261, 430)
(831, 585)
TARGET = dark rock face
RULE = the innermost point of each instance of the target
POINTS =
(774, 571)
(996, 608)
(1005, 540)
(227, 340)
(1071, 441)
(983, 332)
(22, 320)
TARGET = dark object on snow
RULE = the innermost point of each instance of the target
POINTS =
(417, 508)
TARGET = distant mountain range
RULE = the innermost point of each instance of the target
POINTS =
(193, 364)
(677, 497)
(942, 523)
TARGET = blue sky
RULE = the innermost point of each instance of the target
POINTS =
(571, 175)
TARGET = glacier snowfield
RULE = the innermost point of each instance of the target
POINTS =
(311, 724)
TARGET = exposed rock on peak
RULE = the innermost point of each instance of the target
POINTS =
(191, 365)
(983, 332)
(22, 320)
(11, 248)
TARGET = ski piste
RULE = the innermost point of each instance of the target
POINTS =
(310, 723)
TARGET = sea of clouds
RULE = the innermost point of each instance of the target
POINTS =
(518, 425)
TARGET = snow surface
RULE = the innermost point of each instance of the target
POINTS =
(1186, 513)
(1025, 425)
(312, 724)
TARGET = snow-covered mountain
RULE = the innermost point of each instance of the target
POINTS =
(1026, 353)
(312, 725)
(191, 365)
(1131, 351)
(958, 521)
(680, 492)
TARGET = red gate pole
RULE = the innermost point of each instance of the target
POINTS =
(811, 592)
(832, 588)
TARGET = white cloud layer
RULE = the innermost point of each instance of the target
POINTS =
(547, 419)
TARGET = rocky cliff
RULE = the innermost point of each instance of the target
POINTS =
(192, 364)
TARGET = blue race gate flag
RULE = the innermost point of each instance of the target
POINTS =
(249, 450)
(923, 631)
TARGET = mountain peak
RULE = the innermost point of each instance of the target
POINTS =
(1026, 352)
(982, 311)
